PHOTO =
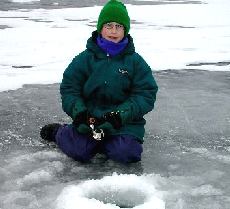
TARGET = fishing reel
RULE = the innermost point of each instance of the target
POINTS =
(98, 134)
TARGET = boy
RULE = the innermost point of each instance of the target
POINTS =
(106, 90)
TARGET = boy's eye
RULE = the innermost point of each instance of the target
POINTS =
(119, 26)
(111, 25)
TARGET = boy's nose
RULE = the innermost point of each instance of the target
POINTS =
(114, 29)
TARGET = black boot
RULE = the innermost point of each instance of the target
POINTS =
(48, 132)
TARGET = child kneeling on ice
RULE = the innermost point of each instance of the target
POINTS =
(106, 90)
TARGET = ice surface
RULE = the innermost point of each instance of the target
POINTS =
(176, 172)
(49, 180)
(23, 1)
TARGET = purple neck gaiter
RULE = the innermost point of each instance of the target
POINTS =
(110, 47)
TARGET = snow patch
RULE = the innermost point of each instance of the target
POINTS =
(35, 177)
(47, 40)
(110, 192)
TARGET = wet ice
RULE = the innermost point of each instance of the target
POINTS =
(40, 180)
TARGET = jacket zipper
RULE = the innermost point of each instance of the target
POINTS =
(108, 57)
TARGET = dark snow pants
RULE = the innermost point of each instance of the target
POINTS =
(120, 148)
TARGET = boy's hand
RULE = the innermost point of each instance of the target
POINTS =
(84, 129)
(113, 118)
(106, 127)
(81, 118)
(81, 123)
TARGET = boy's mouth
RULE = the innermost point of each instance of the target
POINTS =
(112, 38)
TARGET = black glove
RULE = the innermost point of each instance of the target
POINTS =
(81, 118)
(114, 118)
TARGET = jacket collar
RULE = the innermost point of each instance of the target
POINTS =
(92, 46)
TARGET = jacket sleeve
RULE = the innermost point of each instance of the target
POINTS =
(71, 87)
(143, 93)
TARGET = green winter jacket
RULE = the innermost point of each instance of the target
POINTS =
(99, 83)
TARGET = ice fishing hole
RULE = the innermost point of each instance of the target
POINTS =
(121, 197)
(116, 191)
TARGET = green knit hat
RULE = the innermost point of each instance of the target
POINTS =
(114, 11)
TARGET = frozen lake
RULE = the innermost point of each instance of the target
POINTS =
(186, 159)
(185, 164)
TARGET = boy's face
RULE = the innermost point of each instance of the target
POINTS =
(113, 31)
